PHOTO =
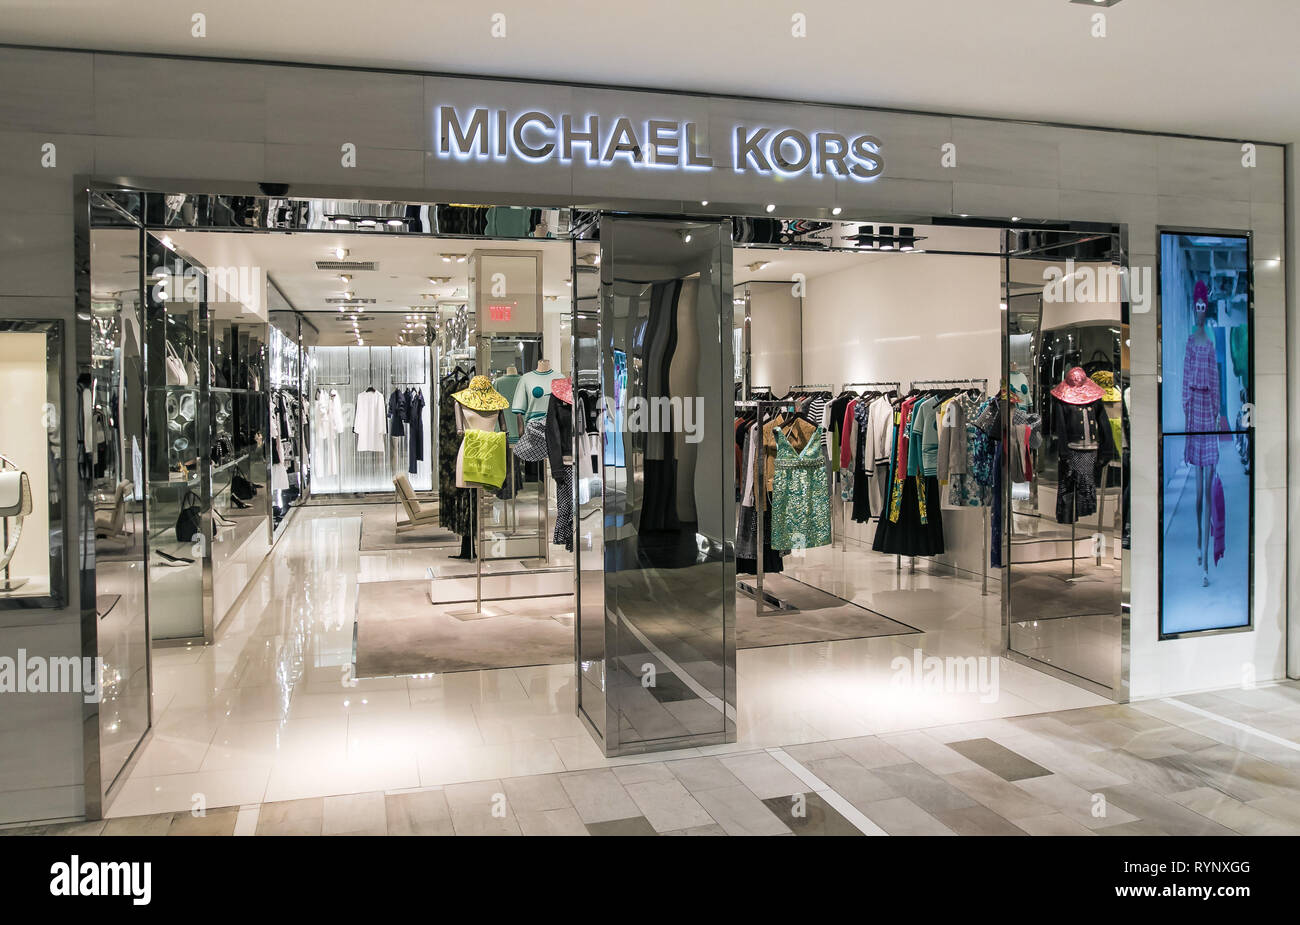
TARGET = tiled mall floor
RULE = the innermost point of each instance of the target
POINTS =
(1199, 765)
(266, 726)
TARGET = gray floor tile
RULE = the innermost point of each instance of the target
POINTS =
(642, 773)
(552, 822)
(139, 825)
(291, 817)
(999, 759)
(1053, 824)
(420, 812)
(1005, 799)
(699, 830)
(536, 793)
(740, 812)
(219, 821)
(480, 808)
(635, 825)
(598, 796)
(355, 814)
(900, 816)
(851, 780)
(871, 752)
(1238, 816)
(668, 805)
(1168, 815)
(1081, 805)
(924, 788)
(702, 774)
(977, 820)
(763, 774)
(809, 814)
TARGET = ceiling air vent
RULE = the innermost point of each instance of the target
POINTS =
(343, 266)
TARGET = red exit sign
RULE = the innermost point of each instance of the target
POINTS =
(501, 312)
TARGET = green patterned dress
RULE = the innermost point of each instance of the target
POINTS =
(801, 503)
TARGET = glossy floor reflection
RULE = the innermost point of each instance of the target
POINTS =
(270, 714)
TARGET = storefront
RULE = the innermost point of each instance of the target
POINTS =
(665, 191)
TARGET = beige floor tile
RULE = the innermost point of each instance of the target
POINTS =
(292, 817)
(418, 812)
(355, 814)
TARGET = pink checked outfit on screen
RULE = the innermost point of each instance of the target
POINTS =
(1201, 401)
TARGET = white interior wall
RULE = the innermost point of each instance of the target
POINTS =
(908, 317)
(776, 332)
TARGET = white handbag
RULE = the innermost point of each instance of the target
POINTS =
(191, 367)
(15, 494)
(176, 374)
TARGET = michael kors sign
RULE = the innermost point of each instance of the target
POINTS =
(534, 136)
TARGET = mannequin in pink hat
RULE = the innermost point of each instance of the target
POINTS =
(1201, 412)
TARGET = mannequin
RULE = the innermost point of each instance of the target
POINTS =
(1084, 441)
(478, 408)
(543, 366)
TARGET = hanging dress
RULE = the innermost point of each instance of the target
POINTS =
(801, 504)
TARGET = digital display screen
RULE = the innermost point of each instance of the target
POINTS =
(1207, 441)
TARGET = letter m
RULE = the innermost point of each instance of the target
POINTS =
(449, 127)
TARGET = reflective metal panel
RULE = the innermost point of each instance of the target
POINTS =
(666, 371)
(115, 443)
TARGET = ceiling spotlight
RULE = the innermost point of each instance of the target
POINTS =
(342, 221)
(906, 239)
(446, 258)
(349, 294)
(340, 253)
(758, 265)
(439, 280)
(367, 223)
(836, 211)
(887, 237)
(345, 278)
(771, 207)
(1015, 218)
(704, 202)
(394, 222)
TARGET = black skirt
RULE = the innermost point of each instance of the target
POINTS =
(909, 536)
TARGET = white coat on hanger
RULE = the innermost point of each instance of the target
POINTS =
(369, 422)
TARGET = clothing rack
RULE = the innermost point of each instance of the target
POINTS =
(847, 385)
(811, 388)
(915, 382)
(984, 557)
(755, 590)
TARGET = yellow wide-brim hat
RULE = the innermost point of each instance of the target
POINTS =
(480, 396)
(1106, 379)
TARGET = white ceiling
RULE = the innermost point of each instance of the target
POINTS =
(405, 263)
(1224, 68)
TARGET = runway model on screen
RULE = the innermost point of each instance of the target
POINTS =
(1201, 410)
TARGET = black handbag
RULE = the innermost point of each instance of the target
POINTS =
(242, 488)
(188, 521)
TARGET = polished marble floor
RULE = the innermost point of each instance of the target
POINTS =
(270, 713)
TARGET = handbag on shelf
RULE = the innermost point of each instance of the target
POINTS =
(191, 367)
(176, 374)
(190, 519)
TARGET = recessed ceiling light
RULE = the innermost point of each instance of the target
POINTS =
(394, 222)
(1015, 218)
(342, 221)
(771, 207)
(345, 278)
(836, 211)
(340, 253)
(367, 223)
(758, 265)
(704, 202)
